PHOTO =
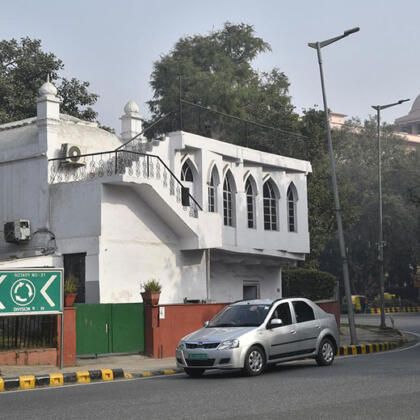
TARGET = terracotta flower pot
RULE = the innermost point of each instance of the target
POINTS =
(150, 298)
(69, 299)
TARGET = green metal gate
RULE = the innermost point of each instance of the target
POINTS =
(109, 328)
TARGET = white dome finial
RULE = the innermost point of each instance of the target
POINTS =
(131, 108)
(47, 88)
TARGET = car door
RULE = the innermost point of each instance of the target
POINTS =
(282, 340)
(308, 326)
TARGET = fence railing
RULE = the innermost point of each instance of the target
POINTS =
(19, 332)
(119, 162)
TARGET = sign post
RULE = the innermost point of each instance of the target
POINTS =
(33, 292)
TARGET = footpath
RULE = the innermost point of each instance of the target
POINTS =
(371, 339)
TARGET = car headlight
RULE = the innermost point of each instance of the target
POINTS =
(228, 344)
(181, 346)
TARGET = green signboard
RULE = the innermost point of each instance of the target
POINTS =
(30, 292)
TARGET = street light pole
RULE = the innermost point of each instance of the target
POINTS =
(381, 243)
(318, 46)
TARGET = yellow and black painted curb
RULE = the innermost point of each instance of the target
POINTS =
(395, 309)
(60, 379)
(149, 373)
(368, 348)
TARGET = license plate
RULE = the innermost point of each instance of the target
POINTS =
(198, 356)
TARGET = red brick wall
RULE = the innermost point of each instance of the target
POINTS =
(69, 339)
(332, 307)
(28, 357)
(163, 335)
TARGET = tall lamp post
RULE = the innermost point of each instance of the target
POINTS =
(381, 243)
(318, 46)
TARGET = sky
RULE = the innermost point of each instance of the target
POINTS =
(113, 45)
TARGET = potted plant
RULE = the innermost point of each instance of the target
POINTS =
(70, 290)
(151, 292)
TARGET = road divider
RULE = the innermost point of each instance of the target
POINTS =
(394, 309)
(59, 379)
(368, 348)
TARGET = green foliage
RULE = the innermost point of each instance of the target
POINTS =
(151, 286)
(70, 284)
(309, 283)
(216, 72)
(23, 69)
(357, 166)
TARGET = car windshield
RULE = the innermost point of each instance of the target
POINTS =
(240, 316)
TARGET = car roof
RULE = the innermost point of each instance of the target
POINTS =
(268, 301)
(256, 302)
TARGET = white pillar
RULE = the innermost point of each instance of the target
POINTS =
(131, 123)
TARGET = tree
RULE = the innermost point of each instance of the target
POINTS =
(215, 71)
(23, 69)
(356, 156)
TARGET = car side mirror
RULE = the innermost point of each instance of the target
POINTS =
(275, 323)
(206, 323)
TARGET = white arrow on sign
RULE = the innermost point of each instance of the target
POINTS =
(1, 281)
(44, 290)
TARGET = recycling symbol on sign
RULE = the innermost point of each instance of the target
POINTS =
(22, 292)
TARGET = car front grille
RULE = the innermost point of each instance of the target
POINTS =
(204, 362)
(201, 345)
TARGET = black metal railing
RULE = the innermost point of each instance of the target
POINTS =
(25, 332)
(138, 143)
(121, 162)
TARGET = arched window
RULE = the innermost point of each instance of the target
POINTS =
(291, 208)
(250, 203)
(212, 193)
(186, 173)
(228, 201)
(270, 207)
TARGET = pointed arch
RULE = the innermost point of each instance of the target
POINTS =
(212, 187)
(251, 192)
(229, 202)
(292, 198)
(250, 175)
(188, 170)
(270, 201)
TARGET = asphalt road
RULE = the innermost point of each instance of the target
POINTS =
(375, 386)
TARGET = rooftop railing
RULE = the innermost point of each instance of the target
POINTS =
(121, 162)
(197, 119)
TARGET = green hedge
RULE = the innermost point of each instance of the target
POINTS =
(311, 284)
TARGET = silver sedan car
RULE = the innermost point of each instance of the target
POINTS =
(252, 334)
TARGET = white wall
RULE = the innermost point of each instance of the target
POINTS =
(137, 246)
(226, 280)
(24, 195)
(76, 223)
(241, 162)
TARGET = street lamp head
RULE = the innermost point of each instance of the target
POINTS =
(351, 31)
(403, 100)
(319, 45)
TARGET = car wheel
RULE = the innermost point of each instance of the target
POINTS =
(194, 373)
(254, 361)
(326, 353)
